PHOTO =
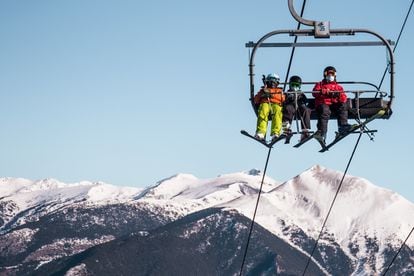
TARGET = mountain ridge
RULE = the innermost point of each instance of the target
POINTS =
(366, 226)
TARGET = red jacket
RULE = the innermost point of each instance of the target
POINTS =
(328, 93)
(273, 95)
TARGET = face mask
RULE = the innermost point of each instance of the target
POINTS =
(330, 78)
(271, 84)
(295, 88)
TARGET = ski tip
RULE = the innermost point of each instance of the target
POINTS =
(381, 112)
(323, 149)
(243, 131)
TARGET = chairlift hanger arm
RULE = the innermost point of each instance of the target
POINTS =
(322, 30)
(298, 17)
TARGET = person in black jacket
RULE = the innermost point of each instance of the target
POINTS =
(295, 104)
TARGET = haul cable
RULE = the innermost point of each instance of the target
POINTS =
(333, 202)
(255, 211)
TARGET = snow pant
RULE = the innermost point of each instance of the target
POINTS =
(304, 113)
(324, 113)
(275, 111)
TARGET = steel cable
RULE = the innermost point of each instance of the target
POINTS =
(333, 202)
(398, 252)
(255, 211)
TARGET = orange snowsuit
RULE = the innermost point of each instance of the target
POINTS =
(275, 96)
(270, 101)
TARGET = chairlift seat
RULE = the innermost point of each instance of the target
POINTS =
(366, 107)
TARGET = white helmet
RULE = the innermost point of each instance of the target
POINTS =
(273, 78)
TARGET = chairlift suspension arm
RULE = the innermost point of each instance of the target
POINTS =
(322, 29)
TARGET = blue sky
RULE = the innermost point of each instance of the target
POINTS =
(131, 92)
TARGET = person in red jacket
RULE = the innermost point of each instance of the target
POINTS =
(330, 97)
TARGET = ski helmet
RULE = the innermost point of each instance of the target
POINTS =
(273, 78)
(295, 79)
(329, 69)
(295, 83)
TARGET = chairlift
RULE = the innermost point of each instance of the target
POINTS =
(362, 104)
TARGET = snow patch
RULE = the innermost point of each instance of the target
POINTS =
(77, 270)
(16, 242)
(65, 247)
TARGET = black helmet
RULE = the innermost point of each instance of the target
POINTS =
(295, 82)
(296, 79)
(329, 69)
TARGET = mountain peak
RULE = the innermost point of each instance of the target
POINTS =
(46, 184)
(169, 187)
(360, 206)
(253, 172)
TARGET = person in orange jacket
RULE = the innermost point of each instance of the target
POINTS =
(330, 97)
(270, 99)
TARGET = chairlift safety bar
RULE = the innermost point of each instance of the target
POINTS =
(340, 82)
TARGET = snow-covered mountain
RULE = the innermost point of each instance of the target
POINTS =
(365, 229)
(364, 216)
(23, 200)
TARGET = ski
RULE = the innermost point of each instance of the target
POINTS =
(263, 142)
(304, 140)
(288, 137)
(352, 130)
(289, 134)
(321, 142)
(281, 137)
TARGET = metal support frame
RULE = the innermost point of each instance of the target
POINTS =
(251, 44)
(312, 32)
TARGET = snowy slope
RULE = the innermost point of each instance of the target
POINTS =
(20, 198)
(27, 192)
(303, 201)
(366, 220)
(360, 206)
(365, 217)
(196, 194)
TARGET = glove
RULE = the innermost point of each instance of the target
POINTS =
(266, 95)
(324, 91)
(290, 98)
(302, 99)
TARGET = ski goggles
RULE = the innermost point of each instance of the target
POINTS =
(294, 84)
(330, 72)
(275, 80)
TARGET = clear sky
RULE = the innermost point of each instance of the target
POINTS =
(130, 92)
